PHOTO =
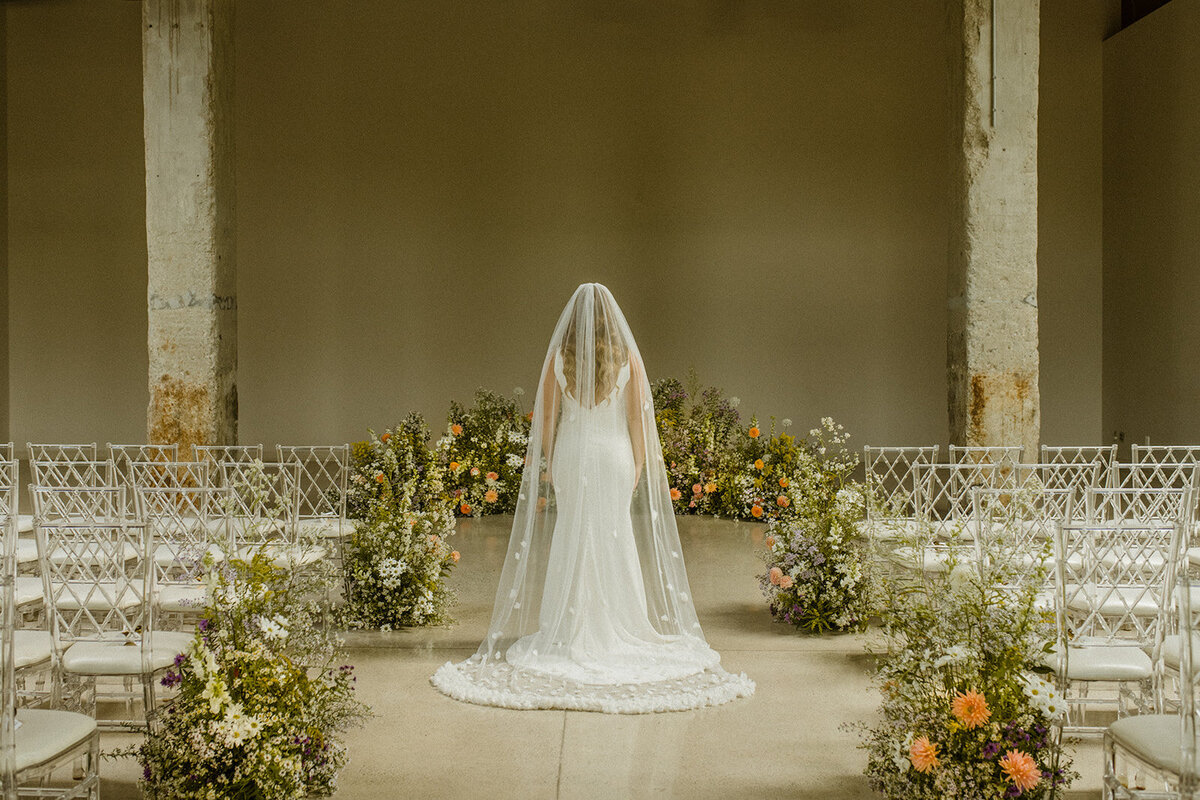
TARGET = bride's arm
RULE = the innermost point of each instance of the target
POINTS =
(633, 412)
(549, 413)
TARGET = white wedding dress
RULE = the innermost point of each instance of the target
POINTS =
(593, 611)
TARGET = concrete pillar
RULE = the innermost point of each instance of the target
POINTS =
(187, 74)
(993, 330)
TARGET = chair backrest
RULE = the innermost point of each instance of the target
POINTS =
(1073, 477)
(176, 474)
(996, 455)
(1113, 580)
(264, 499)
(93, 564)
(943, 491)
(186, 522)
(227, 453)
(1014, 533)
(889, 479)
(73, 473)
(9, 484)
(62, 452)
(1158, 505)
(123, 455)
(1166, 466)
(323, 473)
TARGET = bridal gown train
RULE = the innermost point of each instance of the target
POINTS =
(615, 627)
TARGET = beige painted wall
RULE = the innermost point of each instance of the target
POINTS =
(3, 227)
(1152, 227)
(421, 186)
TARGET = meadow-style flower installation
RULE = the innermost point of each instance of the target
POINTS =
(399, 557)
(965, 711)
(262, 698)
(483, 453)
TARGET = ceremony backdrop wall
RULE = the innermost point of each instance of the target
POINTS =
(420, 186)
(1152, 227)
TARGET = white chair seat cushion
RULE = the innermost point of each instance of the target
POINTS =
(1170, 652)
(284, 555)
(1193, 555)
(27, 551)
(169, 554)
(1112, 600)
(181, 597)
(1100, 663)
(28, 589)
(44, 735)
(933, 559)
(1151, 738)
(24, 523)
(120, 658)
(324, 528)
(31, 647)
(62, 556)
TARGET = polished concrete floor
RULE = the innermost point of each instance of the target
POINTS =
(788, 740)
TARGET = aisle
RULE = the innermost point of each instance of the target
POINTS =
(786, 741)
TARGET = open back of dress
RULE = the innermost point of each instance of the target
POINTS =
(593, 609)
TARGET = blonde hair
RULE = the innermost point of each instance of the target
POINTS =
(610, 356)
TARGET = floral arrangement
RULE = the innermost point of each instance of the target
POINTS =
(815, 578)
(398, 558)
(261, 698)
(483, 453)
(695, 438)
(965, 712)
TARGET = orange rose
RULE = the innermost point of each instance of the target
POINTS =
(754, 433)
(465, 509)
(490, 496)
(491, 476)
(756, 511)
(454, 466)
(379, 477)
(675, 493)
(710, 487)
(783, 483)
(385, 437)
(697, 489)
(454, 554)
(782, 501)
(456, 429)
(758, 463)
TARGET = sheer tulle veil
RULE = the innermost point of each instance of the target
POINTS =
(593, 610)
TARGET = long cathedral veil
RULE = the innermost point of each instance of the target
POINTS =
(594, 477)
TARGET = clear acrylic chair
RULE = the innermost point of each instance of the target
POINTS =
(37, 743)
(174, 474)
(63, 452)
(1161, 747)
(191, 533)
(322, 473)
(1166, 466)
(1102, 456)
(264, 511)
(33, 647)
(73, 473)
(1111, 612)
(101, 603)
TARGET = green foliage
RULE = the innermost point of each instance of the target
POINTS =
(483, 454)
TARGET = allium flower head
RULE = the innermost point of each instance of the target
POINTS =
(971, 709)
(1021, 769)
(923, 754)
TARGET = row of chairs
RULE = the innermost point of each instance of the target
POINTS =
(112, 580)
(1107, 547)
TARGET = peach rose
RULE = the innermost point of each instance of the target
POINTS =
(782, 501)
(490, 496)
(783, 483)
(455, 555)
(474, 472)
(697, 489)
(691, 504)
(756, 511)
(775, 575)
(770, 541)
(456, 429)
(785, 582)
(758, 463)
(491, 476)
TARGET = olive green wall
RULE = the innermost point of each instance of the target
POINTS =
(1152, 227)
(420, 187)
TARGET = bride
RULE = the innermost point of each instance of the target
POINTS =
(593, 611)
